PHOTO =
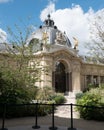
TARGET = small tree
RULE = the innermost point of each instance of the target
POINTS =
(17, 75)
(97, 35)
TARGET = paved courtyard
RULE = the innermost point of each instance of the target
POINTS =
(45, 122)
(62, 121)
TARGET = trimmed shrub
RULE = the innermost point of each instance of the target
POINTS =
(58, 98)
(93, 100)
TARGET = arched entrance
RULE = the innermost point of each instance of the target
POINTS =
(60, 78)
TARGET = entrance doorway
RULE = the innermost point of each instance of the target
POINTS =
(60, 78)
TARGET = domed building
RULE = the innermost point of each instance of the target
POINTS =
(64, 70)
(49, 35)
(67, 72)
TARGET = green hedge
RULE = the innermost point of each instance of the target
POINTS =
(25, 110)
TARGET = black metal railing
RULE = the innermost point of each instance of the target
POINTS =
(36, 106)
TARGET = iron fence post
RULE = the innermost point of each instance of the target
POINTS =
(3, 120)
(53, 124)
(71, 128)
(36, 118)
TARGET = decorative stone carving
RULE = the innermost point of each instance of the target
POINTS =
(75, 43)
(45, 37)
(93, 70)
(60, 38)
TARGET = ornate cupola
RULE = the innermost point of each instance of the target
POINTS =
(48, 34)
(48, 22)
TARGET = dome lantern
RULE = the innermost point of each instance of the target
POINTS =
(48, 22)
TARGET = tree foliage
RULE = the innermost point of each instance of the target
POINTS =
(17, 75)
(97, 35)
(13, 87)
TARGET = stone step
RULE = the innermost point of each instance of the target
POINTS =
(64, 110)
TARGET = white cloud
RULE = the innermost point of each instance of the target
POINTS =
(48, 10)
(5, 1)
(3, 36)
(74, 21)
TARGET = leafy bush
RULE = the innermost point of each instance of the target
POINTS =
(48, 95)
(90, 86)
(44, 93)
(79, 95)
(44, 109)
(58, 98)
(18, 111)
(93, 99)
(14, 87)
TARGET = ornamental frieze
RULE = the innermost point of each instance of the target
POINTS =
(92, 70)
(101, 71)
(61, 56)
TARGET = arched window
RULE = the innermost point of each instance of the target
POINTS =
(34, 45)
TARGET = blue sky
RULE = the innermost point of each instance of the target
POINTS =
(13, 11)
(70, 16)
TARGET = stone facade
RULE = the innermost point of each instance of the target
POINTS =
(78, 74)
(66, 71)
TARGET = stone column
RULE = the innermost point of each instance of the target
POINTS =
(92, 79)
(82, 82)
(99, 80)
(85, 82)
(76, 85)
(46, 74)
(70, 81)
(76, 78)
(53, 80)
(67, 83)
